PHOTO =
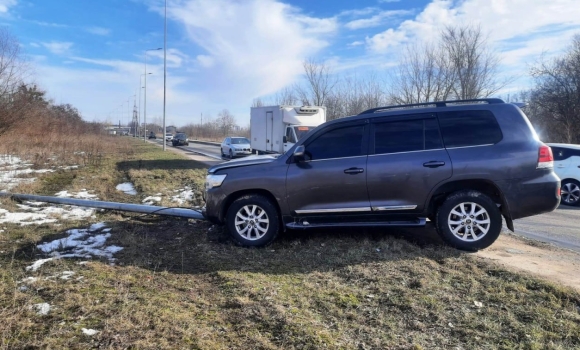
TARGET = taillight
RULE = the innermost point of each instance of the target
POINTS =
(545, 157)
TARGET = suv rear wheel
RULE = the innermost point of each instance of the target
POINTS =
(252, 221)
(469, 220)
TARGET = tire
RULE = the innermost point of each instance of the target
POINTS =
(458, 230)
(231, 155)
(222, 152)
(253, 221)
(570, 192)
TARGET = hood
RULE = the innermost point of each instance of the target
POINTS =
(250, 160)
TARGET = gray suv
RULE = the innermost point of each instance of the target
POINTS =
(459, 164)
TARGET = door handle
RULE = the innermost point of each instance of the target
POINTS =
(562, 166)
(354, 171)
(433, 164)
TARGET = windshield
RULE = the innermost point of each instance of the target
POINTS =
(239, 140)
(180, 136)
(302, 130)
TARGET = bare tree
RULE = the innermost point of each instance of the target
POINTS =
(555, 100)
(258, 103)
(13, 66)
(461, 66)
(225, 122)
(285, 96)
(473, 64)
(423, 75)
(319, 83)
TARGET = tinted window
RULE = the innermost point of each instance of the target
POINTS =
(559, 153)
(407, 136)
(469, 128)
(337, 143)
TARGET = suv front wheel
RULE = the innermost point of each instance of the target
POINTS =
(253, 221)
(469, 220)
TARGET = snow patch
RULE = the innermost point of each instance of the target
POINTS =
(89, 331)
(184, 195)
(127, 187)
(41, 308)
(151, 200)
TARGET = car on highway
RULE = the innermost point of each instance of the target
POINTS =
(235, 146)
(152, 135)
(168, 136)
(567, 167)
(180, 139)
(461, 165)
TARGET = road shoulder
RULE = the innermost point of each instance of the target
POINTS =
(543, 260)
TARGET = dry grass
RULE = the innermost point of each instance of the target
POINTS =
(182, 284)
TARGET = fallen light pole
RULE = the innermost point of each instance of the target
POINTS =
(136, 208)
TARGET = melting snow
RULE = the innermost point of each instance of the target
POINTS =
(184, 196)
(42, 308)
(80, 243)
(127, 187)
(89, 331)
(151, 199)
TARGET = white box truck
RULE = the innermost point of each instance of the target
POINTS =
(275, 129)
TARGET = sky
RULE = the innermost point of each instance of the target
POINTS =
(223, 54)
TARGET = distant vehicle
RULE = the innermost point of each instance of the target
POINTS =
(460, 164)
(168, 136)
(235, 146)
(180, 139)
(567, 167)
(275, 129)
(152, 135)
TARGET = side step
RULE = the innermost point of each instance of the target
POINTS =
(304, 224)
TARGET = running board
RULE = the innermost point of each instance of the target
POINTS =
(304, 224)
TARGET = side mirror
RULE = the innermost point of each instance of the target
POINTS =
(299, 153)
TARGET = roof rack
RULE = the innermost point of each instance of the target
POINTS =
(435, 104)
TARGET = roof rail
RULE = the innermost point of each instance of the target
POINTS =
(435, 104)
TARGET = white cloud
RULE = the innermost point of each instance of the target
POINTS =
(58, 47)
(250, 48)
(6, 4)
(376, 20)
(98, 30)
(503, 19)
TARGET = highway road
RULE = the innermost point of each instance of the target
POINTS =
(560, 227)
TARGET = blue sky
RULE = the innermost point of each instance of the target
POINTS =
(224, 53)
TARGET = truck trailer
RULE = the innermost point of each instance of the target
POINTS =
(275, 129)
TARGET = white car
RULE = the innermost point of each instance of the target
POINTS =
(567, 167)
(235, 146)
(168, 136)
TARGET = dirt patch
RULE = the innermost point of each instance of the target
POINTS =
(542, 260)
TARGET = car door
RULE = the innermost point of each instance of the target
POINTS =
(406, 161)
(331, 180)
(561, 161)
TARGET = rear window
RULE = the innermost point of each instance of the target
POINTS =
(406, 136)
(469, 128)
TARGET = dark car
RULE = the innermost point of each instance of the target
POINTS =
(180, 139)
(152, 135)
(460, 164)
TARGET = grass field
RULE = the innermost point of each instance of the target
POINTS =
(182, 284)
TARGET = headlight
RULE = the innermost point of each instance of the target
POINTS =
(212, 181)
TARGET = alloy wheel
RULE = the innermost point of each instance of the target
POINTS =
(251, 222)
(469, 221)
(570, 193)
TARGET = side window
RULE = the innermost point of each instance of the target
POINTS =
(337, 143)
(407, 136)
(469, 128)
(559, 153)
(290, 135)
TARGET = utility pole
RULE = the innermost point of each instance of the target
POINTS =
(164, 70)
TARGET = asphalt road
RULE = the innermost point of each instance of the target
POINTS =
(560, 227)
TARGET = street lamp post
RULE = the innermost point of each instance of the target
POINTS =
(164, 69)
(145, 126)
(145, 95)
